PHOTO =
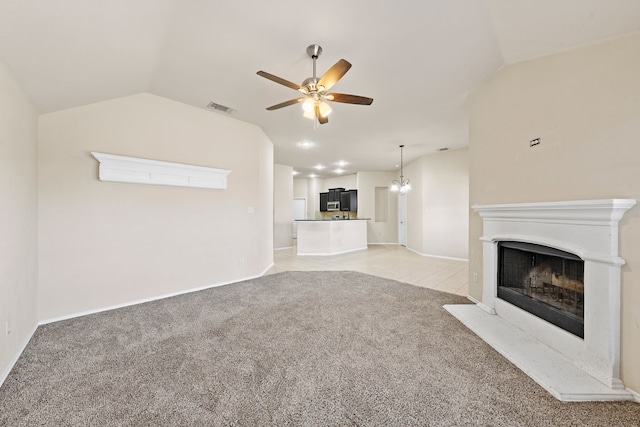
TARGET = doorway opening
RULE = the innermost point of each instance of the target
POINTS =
(299, 212)
(402, 219)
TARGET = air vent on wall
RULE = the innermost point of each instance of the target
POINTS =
(213, 106)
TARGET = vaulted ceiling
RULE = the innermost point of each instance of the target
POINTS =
(419, 60)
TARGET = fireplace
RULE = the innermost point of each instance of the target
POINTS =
(551, 294)
(547, 282)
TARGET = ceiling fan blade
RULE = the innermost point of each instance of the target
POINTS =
(285, 104)
(321, 120)
(280, 80)
(334, 74)
(348, 99)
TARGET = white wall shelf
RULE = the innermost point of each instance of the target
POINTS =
(114, 168)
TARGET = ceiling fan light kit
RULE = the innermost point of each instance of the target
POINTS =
(315, 90)
(324, 108)
(308, 105)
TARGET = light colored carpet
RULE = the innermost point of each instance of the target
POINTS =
(294, 348)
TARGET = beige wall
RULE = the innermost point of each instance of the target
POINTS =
(282, 206)
(314, 187)
(18, 220)
(104, 244)
(414, 171)
(438, 204)
(348, 182)
(377, 232)
(300, 188)
(585, 106)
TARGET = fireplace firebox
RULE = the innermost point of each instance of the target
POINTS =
(543, 281)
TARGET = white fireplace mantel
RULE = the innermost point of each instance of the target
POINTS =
(569, 367)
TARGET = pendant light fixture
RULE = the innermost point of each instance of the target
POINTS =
(404, 184)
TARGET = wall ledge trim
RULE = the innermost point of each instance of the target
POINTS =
(115, 168)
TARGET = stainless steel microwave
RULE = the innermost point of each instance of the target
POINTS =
(333, 206)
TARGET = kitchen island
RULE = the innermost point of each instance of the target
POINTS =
(331, 237)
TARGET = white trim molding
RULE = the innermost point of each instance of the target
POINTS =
(114, 168)
(152, 298)
(437, 256)
(15, 358)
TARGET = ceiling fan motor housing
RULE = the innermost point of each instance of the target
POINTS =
(314, 50)
(311, 85)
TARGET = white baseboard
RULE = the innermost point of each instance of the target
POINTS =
(263, 272)
(334, 253)
(9, 368)
(473, 300)
(142, 301)
(635, 394)
(438, 256)
(382, 243)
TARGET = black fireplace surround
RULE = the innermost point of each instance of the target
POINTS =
(546, 282)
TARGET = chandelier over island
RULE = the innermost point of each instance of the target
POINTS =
(403, 185)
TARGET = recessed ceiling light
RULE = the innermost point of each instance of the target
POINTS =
(296, 172)
(342, 163)
(319, 167)
(313, 175)
(339, 171)
(305, 144)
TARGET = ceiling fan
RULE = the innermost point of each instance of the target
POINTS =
(316, 90)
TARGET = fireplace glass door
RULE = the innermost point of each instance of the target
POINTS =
(544, 281)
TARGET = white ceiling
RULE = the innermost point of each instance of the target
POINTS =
(418, 59)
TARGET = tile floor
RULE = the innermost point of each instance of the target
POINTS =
(390, 261)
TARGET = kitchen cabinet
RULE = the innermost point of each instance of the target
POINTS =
(349, 200)
(324, 198)
(334, 194)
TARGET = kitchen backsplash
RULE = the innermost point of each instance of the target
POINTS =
(330, 215)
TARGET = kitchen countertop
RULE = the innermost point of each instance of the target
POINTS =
(330, 220)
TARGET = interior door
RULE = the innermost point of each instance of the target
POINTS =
(402, 219)
(299, 212)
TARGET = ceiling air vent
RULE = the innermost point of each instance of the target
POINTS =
(443, 149)
(213, 106)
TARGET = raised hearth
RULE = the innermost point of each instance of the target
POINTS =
(568, 366)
